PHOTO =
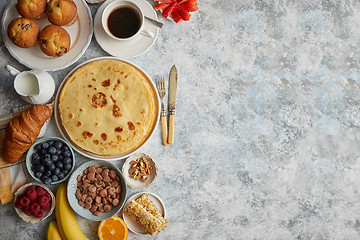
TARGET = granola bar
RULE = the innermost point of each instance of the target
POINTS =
(151, 208)
(139, 214)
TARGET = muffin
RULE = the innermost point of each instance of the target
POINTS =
(61, 12)
(31, 8)
(54, 41)
(23, 32)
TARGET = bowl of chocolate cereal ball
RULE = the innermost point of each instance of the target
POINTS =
(96, 190)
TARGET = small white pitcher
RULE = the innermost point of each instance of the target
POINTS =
(34, 86)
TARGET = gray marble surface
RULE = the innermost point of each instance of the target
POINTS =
(267, 126)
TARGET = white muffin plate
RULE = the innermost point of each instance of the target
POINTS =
(80, 33)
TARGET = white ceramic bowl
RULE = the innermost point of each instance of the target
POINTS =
(96, 156)
(72, 187)
(31, 151)
(32, 219)
(137, 184)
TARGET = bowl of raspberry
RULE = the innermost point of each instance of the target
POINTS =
(50, 160)
(34, 202)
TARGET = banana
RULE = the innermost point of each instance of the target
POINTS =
(57, 211)
(66, 216)
(53, 232)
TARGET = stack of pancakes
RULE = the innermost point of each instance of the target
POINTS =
(108, 107)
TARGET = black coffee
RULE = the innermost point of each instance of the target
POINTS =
(124, 22)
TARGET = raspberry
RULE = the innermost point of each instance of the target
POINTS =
(39, 213)
(47, 205)
(31, 193)
(34, 207)
(32, 187)
(48, 197)
(24, 201)
(43, 200)
(27, 210)
(17, 203)
(40, 191)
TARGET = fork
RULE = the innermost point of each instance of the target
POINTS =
(160, 84)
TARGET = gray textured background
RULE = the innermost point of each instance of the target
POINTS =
(267, 124)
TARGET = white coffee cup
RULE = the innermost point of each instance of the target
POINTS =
(113, 6)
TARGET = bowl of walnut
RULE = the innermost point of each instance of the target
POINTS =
(139, 171)
(96, 190)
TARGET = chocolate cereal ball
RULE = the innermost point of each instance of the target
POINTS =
(54, 41)
(23, 32)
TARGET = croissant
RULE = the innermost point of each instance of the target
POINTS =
(22, 131)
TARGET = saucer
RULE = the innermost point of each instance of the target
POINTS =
(130, 48)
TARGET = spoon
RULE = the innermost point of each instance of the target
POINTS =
(94, 1)
(156, 23)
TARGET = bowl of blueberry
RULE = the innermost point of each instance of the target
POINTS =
(50, 160)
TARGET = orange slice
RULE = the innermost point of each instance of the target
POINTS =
(113, 228)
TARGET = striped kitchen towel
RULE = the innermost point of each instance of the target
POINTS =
(12, 176)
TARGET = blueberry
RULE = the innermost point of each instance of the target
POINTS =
(67, 166)
(35, 156)
(64, 171)
(58, 145)
(38, 174)
(67, 153)
(54, 158)
(47, 173)
(56, 171)
(43, 152)
(65, 148)
(67, 160)
(61, 157)
(35, 159)
(52, 167)
(37, 148)
(59, 164)
(58, 152)
(40, 168)
(52, 150)
(50, 142)
(47, 155)
(54, 178)
(46, 180)
(45, 145)
(61, 175)
(47, 161)
(34, 168)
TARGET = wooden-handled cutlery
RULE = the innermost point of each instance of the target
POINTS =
(173, 77)
(160, 84)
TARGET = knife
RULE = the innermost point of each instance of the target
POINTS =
(173, 77)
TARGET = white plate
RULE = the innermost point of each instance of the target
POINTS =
(80, 33)
(89, 154)
(130, 48)
(137, 184)
(133, 225)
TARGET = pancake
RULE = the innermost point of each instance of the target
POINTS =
(108, 107)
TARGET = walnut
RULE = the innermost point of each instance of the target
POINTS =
(139, 169)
